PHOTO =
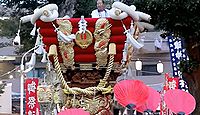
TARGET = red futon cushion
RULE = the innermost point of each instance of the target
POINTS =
(85, 55)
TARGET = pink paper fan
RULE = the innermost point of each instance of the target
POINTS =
(74, 111)
(152, 101)
(180, 101)
(131, 93)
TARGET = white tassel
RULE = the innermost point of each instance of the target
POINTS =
(33, 30)
(39, 50)
(133, 42)
(38, 39)
(132, 28)
(65, 38)
(49, 65)
(44, 58)
(124, 56)
(32, 61)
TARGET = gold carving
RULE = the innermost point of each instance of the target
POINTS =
(67, 52)
(65, 26)
(96, 105)
(66, 49)
(84, 39)
(45, 93)
(102, 34)
(87, 66)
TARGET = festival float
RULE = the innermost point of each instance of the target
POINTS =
(87, 55)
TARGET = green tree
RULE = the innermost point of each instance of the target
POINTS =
(8, 27)
(27, 40)
(24, 7)
(84, 8)
(182, 18)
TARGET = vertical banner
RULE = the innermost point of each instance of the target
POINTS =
(32, 105)
(178, 53)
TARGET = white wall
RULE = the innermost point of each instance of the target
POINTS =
(6, 100)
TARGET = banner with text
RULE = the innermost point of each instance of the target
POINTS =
(32, 105)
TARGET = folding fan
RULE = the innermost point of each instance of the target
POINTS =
(131, 93)
(74, 111)
(180, 102)
(152, 102)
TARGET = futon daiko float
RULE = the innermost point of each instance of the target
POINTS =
(88, 54)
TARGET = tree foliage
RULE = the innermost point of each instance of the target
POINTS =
(8, 27)
(27, 40)
(182, 18)
(84, 8)
(178, 16)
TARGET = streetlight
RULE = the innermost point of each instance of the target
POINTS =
(11, 76)
(22, 78)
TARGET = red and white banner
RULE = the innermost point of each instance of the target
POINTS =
(32, 105)
(170, 83)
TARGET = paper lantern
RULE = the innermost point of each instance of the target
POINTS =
(160, 67)
(131, 93)
(11, 76)
(179, 102)
(138, 65)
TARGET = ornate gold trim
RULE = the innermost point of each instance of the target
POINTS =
(102, 34)
(95, 105)
(65, 26)
(66, 49)
(67, 53)
(83, 40)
